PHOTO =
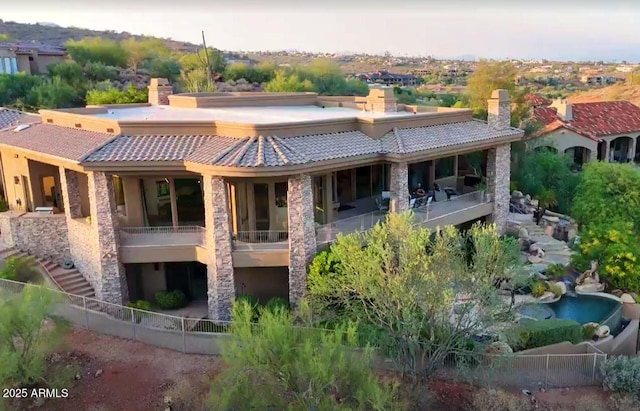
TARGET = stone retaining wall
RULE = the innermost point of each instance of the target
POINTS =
(41, 235)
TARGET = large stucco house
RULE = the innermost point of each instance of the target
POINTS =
(227, 194)
(29, 57)
(603, 130)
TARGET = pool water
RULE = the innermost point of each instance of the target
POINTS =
(584, 308)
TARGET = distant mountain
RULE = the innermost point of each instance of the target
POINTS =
(43, 23)
(51, 33)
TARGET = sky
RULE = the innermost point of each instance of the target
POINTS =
(552, 29)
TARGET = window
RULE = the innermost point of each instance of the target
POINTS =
(281, 194)
(363, 182)
(14, 65)
(1, 67)
(445, 167)
(119, 191)
(7, 65)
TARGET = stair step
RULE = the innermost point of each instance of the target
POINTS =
(67, 283)
(82, 289)
(61, 275)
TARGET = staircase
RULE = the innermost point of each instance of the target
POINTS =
(69, 281)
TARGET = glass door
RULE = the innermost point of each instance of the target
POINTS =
(261, 200)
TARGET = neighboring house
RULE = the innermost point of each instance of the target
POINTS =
(29, 57)
(604, 130)
(389, 79)
(10, 118)
(227, 194)
(596, 80)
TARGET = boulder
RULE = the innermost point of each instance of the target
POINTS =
(523, 233)
(534, 259)
(524, 243)
(592, 327)
(634, 295)
(590, 288)
(602, 331)
(534, 248)
(547, 296)
(548, 230)
(627, 299)
(562, 286)
(498, 347)
(617, 293)
(517, 193)
(551, 219)
(572, 233)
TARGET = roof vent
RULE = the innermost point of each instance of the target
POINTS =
(78, 125)
(109, 130)
(49, 120)
(21, 127)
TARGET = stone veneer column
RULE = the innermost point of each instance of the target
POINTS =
(102, 202)
(399, 185)
(220, 281)
(498, 179)
(499, 110)
(302, 233)
(70, 193)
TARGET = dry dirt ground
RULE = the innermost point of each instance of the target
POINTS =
(122, 375)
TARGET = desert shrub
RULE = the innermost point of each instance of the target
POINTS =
(621, 375)
(538, 288)
(115, 96)
(591, 403)
(588, 330)
(22, 269)
(170, 300)
(140, 305)
(278, 368)
(532, 334)
(187, 395)
(494, 400)
(556, 271)
(619, 402)
(556, 290)
(100, 72)
(24, 342)
(277, 303)
(4, 205)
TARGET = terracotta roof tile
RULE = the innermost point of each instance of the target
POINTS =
(10, 117)
(594, 120)
(68, 143)
(148, 148)
(536, 100)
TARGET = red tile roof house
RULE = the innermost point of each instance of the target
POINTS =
(604, 130)
(227, 194)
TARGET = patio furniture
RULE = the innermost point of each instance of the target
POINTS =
(451, 193)
(386, 195)
(412, 203)
(383, 205)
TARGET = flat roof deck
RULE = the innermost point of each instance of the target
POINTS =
(253, 115)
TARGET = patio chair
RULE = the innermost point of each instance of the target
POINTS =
(412, 203)
(383, 206)
(451, 193)
(385, 195)
(429, 201)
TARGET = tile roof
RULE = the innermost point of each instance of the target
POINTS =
(29, 46)
(10, 117)
(412, 140)
(536, 100)
(68, 143)
(148, 148)
(594, 120)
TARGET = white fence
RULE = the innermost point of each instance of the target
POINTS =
(204, 336)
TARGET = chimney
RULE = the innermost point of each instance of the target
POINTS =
(159, 92)
(381, 100)
(564, 109)
(499, 110)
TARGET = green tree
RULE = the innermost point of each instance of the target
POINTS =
(195, 61)
(100, 72)
(24, 342)
(70, 72)
(140, 50)
(163, 67)
(5, 37)
(487, 77)
(21, 269)
(420, 295)
(97, 49)
(608, 192)
(15, 88)
(55, 93)
(542, 172)
(114, 96)
(196, 81)
(283, 82)
(236, 71)
(274, 366)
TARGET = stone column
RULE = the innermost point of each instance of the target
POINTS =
(102, 201)
(220, 283)
(632, 154)
(498, 179)
(499, 110)
(70, 193)
(399, 185)
(302, 233)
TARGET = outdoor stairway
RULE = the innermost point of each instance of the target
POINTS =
(556, 251)
(69, 281)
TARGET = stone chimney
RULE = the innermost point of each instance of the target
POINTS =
(499, 110)
(563, 109)
(381, 100)
(159, 91)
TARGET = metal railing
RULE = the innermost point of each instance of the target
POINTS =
(204, 336)
(260, 240)
(423, 213)
(159, 236)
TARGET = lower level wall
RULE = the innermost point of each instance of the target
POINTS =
(41, 235)
(145, 281)
(263, 283)
(83, 251)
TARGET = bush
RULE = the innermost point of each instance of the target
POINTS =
(533, 334)
(140, 305)
(252, 302)
(277, 303)
(100, 72)
(494, 400)
(588, 330)
(22, 269)
(538, 288)
(557, 271)
(622, 375)
(4, 205)
(556, 290)
(115, 96)
(170, 300)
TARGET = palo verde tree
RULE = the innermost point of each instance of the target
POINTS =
(418, 295)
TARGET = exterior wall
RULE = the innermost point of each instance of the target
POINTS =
(44, 61)
(399, 185)
(218, 244)
(263, 283)
(24, 65)
(14, 167)
(41, 235)
(302, 235)
(37, 171)
(563, 139)
(498, 179)
(499, 110)
(133, 203)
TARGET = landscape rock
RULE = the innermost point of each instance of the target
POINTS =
(547, 296)
(634, 295)
(548, 230)
(517, 193)
(603, 331)
(523, 233)
(498, 347)
(533, 248)
(78, 376)
(617, 293)
(562, 287)
(98, 373)
(534, 259)
(590, 288)
(627, 299)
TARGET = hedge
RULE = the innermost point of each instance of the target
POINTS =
(533, 334)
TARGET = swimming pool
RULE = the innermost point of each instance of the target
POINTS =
(582, 308)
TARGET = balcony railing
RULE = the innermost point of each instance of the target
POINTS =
(261, 240)
(161, 236)
(423, 214)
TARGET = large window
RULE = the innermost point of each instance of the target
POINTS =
(281, 194)
(118, 188)
(189, 201)
(445, 167)
(157, 202)
(363, 182)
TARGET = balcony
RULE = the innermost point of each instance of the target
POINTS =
(160, 244)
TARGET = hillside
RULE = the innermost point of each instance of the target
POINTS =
(56, 35)
(615, 92)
